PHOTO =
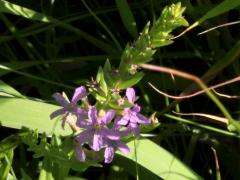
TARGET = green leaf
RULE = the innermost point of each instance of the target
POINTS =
(219, 9)
(46, 171)
(6, 164)
(74, 178)
(16, 65)
(159, 161)
(127, 17)
(107, 73)
(11, 8)
(102, 82)
(7, 144)
(223, 7)
(18, 113)
(25, 176)
(82, 166)
(149, 128)
(134, 79)
(5, 88)
(114, 104)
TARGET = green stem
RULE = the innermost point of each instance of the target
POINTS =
(35, 77)
(220, 131)
(219, 105)
(136, 164)
(103, 25)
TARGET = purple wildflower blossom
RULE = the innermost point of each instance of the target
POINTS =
(131, 116)
(80, 154)
(69, 107)
(110, 149)
(96, 131)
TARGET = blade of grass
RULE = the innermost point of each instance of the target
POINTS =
(24, 43)
(9, 90)
(38, 28)
(103, 25)
(210, 128)
(46, 171)
(34, 77)
(127, 17)
(25, 64)
(232, 55)
(159, 161)
(223, 7)
(201, 84)
(11, 8)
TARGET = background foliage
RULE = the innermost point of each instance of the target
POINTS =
(50, 46)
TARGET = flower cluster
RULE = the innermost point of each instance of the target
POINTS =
(100, 128)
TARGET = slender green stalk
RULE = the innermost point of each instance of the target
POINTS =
(136, 164)
(103, 25)
(220, 131)
(10, 164)
(35, 77)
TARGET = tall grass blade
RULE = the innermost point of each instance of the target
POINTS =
(127, 17)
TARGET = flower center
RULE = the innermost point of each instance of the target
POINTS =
(71, 106)
(97, 126)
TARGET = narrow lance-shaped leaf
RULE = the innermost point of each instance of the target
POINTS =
(18, 113)
(11, 8)
(223, 7)
(127, 17)
(159, 161)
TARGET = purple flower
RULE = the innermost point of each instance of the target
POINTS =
(80, 154)
(110, 149)
(131, 116)
(96, 130)
(69, 107)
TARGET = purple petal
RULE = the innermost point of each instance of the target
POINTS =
(136, 108)
(143, 119)
(126, 131)
(97, 142)
(108, 117)
(123, 121)
(108, 154)
(79, 111)
(60, 99)
(123, 147)
(80, 154)
(130, 93)
(133, 125)
(81, 114)
(79, 93)
(134, 129)
(113, 135)
(84, 136)
(57, 113)
(83, 124)
(134, 119)
(92, 114)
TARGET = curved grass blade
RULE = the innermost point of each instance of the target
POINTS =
(223, 7)
(159, 161)
(5, 88)
(127, 17)
(11, 8)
